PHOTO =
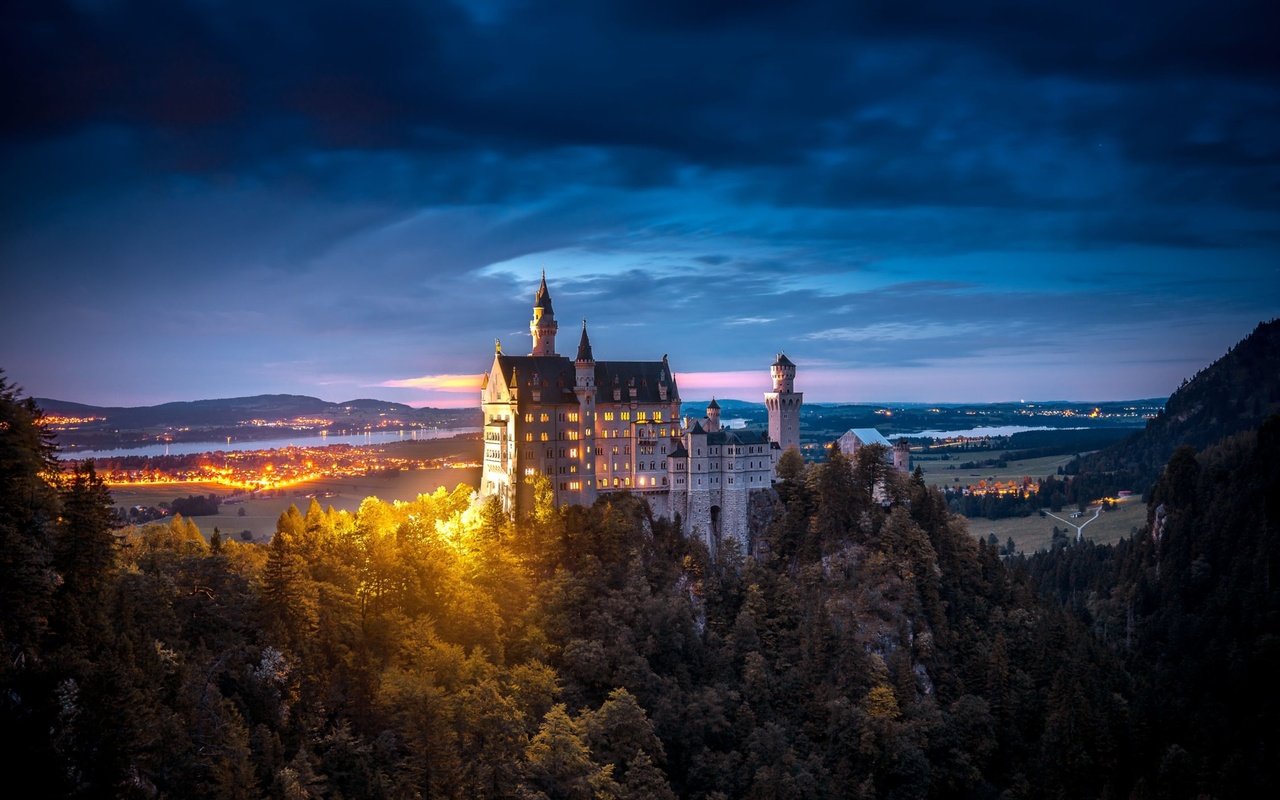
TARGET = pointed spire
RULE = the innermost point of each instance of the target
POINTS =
(584, 345)
(543, 298)
(497, 346)
(713, 404)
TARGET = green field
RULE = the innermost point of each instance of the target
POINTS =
(1035, 532)
(261, 513)
(948, 473)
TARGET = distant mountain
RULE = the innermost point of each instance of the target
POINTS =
(257, 417)
(1233, 394)
(231, 410)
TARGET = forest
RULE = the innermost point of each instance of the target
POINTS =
(439, 649)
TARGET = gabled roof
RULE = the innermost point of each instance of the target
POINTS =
(868, 436)
(736, 436)
(645, 376)
(783, 361)
(556, 376)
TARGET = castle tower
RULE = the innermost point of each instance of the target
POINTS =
(584, 388)
(902, 455)
(713, 416)
(543, 326)
(584, 365)
(784, 404)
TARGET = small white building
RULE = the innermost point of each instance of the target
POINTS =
(898, 454)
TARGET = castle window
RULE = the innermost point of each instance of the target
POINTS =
(664, 480)
(544, 417)
(573, 452)
(657, 417)
(528, 437)
(572, 416)
(528, 417)
(608, 416)
(571, 436)
(586, 432)
(642, 416)
(626, 415)
(550, 454)
(544, 437)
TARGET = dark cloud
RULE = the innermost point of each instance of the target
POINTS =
(864, 181)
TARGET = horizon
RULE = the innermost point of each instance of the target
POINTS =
(242, 199)
(694, 401)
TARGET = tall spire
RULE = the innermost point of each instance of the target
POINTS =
(543, 298)
(584, 345)
(543, 326)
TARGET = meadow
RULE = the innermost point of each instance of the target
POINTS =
(1036, 533)
(948, 473)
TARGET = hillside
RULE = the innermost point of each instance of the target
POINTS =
(1235, 393)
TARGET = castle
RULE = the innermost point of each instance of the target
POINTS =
(595, 427)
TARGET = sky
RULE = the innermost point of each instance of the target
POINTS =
(915, 201)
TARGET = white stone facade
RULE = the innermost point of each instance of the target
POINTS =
(595, 427)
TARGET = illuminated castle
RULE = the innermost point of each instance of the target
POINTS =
(594, 427)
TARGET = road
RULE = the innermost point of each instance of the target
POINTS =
(1079, 528)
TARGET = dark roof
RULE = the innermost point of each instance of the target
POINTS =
(556, 377)
(697, 429)
(713, 404)
(738, 436)
(584, 345)
(679, 452)
(543, 298)
(783, 361)
(645, 376)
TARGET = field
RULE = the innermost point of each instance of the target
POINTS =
(1035, 532)
(261, 514)
(948, 473)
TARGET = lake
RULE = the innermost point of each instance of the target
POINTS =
(188, 448)
(993, 430)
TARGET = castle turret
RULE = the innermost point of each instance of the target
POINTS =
(784, 404)
(543, 326)
(584, 388)
(713, 416)
(585, 364)
(902, 455)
